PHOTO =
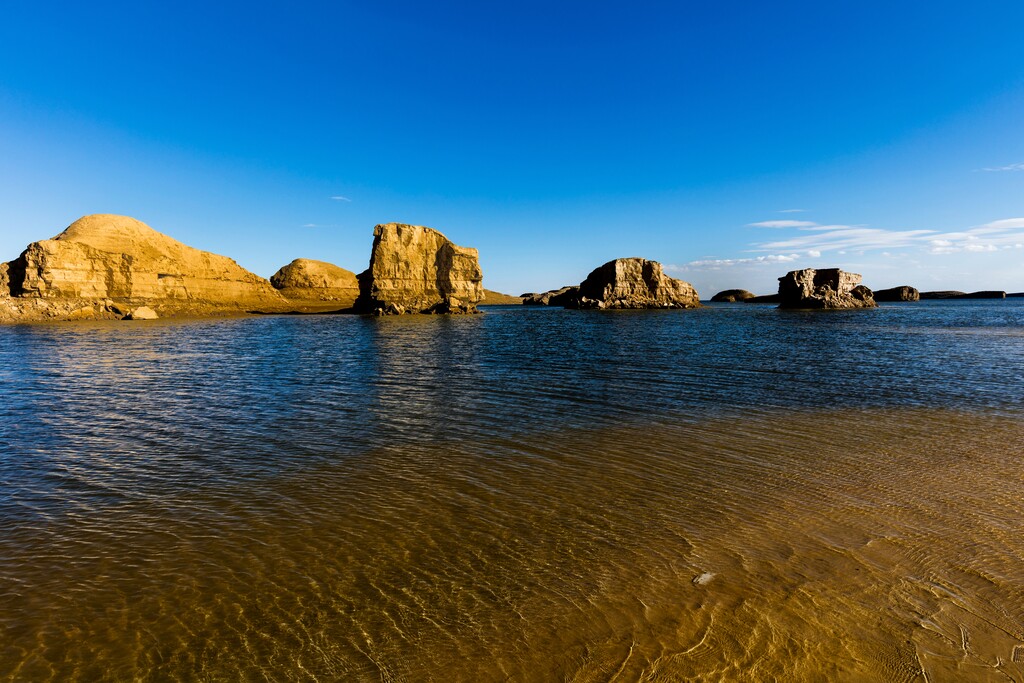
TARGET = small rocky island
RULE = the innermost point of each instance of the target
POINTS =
(619, 284)
(903, 293)
(732, 296)
(827, 288)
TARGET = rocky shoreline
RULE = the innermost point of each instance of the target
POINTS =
(107, 267)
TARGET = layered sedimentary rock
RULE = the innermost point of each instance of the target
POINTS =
(554, 297)
(103, 266)
(904, 293)
(318, 284)
(414, 269)
(830, 288)
(732, 295)
(634, 283)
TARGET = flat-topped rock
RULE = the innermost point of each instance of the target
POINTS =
(317, 283)
(904, 293)
(732, 295)
(826, 288)
(634, 283)
(105, 257)
(414, 269)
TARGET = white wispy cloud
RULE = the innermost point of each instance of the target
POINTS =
(782, 224)
(339, 198)
(792, 211)
(840, 238)
(714, 264)
(1008, 167)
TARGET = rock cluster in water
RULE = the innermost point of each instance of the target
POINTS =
(904, 293)
(622, 283)
(414, 269)
(829, 288)
(316, 284)
(634, 283)
(554, 297)
(108, 266)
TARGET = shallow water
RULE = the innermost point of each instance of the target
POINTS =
(733, 493)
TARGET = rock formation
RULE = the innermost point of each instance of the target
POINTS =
(826, 288)
(103, 266)
(554, 297)
(944, 294)
(732, 295)
(316, 284)
(904, 293)
(634, 283)
(418, 270)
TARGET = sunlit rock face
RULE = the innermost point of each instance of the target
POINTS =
(306, 281)
(414, 269)
(830, 288)
(634, 283)
(103, 265)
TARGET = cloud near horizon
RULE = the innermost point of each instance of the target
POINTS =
(813, 240)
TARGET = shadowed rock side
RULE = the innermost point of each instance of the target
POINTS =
(829, 288)
(555, 297)
(316, 285)
(103, 266)
(904, 293)
(634, 283)
(944, 294)
(732, 295)
(414, 269)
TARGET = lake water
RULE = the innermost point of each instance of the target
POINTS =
(732, 493)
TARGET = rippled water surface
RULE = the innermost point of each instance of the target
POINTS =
(732, 493)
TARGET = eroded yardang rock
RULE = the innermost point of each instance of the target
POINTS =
(102, 264)
(634, 283)
(904, 293)
(414, 269)
(316, 283)
(830, 288)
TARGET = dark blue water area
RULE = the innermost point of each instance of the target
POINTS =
(121, 410)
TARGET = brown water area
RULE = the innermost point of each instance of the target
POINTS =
(868, 546)
(867, 543)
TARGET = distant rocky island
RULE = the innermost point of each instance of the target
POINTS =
(105, 266)
(619, 284)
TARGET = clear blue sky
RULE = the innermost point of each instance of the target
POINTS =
(732, 141)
